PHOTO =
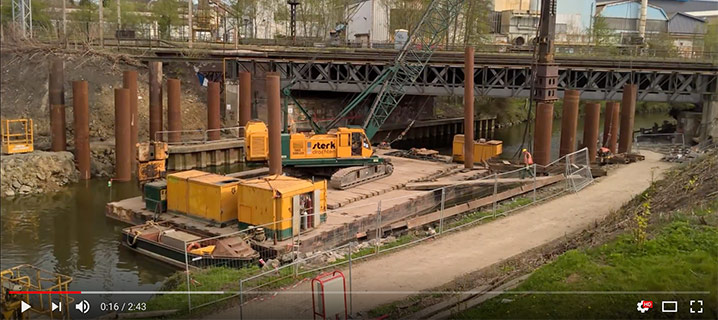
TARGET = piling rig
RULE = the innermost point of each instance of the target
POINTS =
(345, 153)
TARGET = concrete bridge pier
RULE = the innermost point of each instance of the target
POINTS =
(709, 118)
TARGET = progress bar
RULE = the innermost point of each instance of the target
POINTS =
(363, 292)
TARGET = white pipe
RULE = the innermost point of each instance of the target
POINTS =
(642, 21)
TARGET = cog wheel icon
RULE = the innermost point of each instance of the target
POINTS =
(640, 307)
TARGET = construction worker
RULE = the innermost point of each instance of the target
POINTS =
(528, 162)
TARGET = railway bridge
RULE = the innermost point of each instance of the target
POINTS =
(495, 75)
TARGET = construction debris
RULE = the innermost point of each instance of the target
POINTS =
(421, 154)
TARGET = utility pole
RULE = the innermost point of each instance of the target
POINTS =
(22, 15)
(189, 22)
(545, 83)
(119, 16)
(102, 30)
(293, 19)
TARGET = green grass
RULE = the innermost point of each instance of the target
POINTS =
(681, 257)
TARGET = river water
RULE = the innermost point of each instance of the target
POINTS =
(68, 233)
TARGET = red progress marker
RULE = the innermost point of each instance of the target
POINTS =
(45, 292)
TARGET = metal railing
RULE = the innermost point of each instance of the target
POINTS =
(198, 136)
(488, 197)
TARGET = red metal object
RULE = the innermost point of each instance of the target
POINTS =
(469, 108)
(322, 279)
(213, 111)
(123, 159)
(610, 126)
(245, 99)
(542, 133)
(628, 112)
(129, 81)
(57, 106)
(569, 121)
(590, 129)
(155, 99)
(81, 120)
(275, 123)
(174, 110)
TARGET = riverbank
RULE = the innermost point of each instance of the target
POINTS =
(664, 238)
(36, 172)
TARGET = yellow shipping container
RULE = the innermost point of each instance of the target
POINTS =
(482, 150)
(178, 191)
(280, 202)
(213, 197)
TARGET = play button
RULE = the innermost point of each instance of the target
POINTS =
(24, 306)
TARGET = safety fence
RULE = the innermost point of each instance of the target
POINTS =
(199, 136)
(283, 261)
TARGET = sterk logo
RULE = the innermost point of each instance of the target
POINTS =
(644, 305)
(324, 146)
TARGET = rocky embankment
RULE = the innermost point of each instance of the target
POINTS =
(36, 172)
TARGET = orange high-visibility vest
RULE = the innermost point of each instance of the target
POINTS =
(528, 159)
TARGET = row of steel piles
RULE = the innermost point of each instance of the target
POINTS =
(614, 119)
(126, 115)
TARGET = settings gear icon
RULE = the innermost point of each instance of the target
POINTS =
(641, 307)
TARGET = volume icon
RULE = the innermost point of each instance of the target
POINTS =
(83, 306)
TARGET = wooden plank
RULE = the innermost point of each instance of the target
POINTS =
(435, 216)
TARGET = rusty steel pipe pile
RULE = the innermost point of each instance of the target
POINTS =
(610, 126)
(628, 113)
(542, 133)
(469, 108)
(245, 99)
(213, 121)
(174, 110)
(590, 129)
(81, 121)
(129, 82)
(275, 123)
(123, 158)
(57, 105)
(569, 122)
(155, 98)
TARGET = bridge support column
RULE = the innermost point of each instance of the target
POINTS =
(213, 111)
(590, 129)
(542, 133)
(569, 121)
(155, 99)
(469, 108)
(628, 112)
(123, 160)
(709, 119)
(174, 110)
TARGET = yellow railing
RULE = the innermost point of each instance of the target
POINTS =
(13, 142)
(30, 278)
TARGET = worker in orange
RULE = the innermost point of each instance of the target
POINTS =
(528, 162)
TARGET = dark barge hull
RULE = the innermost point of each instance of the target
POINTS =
(176, 257)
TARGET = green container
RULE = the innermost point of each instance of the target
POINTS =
(156, 196)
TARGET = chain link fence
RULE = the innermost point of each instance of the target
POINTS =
(379, 227)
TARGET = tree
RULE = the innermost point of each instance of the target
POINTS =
(85, 15)
(128, 13)
(711, 39)
(601, 33)
(166, 13)
(662, 45)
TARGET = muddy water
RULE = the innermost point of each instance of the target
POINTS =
(68, 233)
